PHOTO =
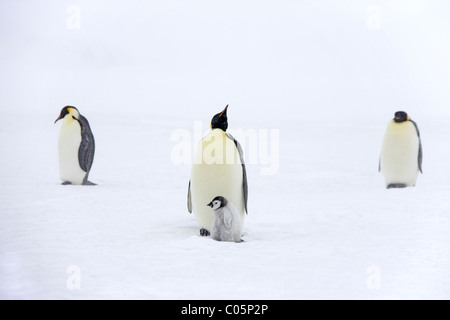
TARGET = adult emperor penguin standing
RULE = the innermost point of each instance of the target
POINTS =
(76, 147)
(218, 169)
(401, 152)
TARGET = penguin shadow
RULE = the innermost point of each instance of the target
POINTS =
(238, 241)
(87, 183)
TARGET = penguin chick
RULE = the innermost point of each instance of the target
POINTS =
(401, 152)
(227, 225)
(76, 147)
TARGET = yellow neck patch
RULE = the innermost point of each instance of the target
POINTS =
(68, 120)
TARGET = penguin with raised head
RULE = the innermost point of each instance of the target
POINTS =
(227, 225)
(401, 152)
(76, 147)
(218, 168)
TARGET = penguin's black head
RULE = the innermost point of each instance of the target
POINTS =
(401, 116)
(220, 120)
(218, 202)
(65, 111)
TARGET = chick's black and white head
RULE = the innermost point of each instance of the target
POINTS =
(401, 116)
(220, 120)
(218, 202)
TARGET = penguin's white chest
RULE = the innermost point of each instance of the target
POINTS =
(68, 146)
(399, 154)
(217, 171)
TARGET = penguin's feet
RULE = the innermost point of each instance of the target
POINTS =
(204, 232)
(396, 185)
(65, 183)
(88, 183)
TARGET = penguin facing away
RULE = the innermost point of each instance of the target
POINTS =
(76, 147)
(227, 224)
(218, 168)
(401, 152)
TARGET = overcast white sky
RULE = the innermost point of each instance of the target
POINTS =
(339, 57)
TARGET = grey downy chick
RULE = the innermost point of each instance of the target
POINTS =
(227, 224)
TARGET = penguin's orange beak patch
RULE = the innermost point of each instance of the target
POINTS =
(223, 111)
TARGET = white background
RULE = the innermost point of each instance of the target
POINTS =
(328, 75)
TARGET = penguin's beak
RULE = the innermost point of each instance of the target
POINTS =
(59, 118)
(210, 204)
(224, 111)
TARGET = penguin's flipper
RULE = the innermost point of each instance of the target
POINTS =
(420, 157)
(87, 146)
(244, 171)
(227, 219)
(189, 200)
(245, 186)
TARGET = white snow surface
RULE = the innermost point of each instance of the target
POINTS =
(322, 74)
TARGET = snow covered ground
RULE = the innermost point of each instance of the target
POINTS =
(315, 84)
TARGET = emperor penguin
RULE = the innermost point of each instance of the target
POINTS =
(76, 147)
(218, 169)
(401, 152)
(227, 224)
